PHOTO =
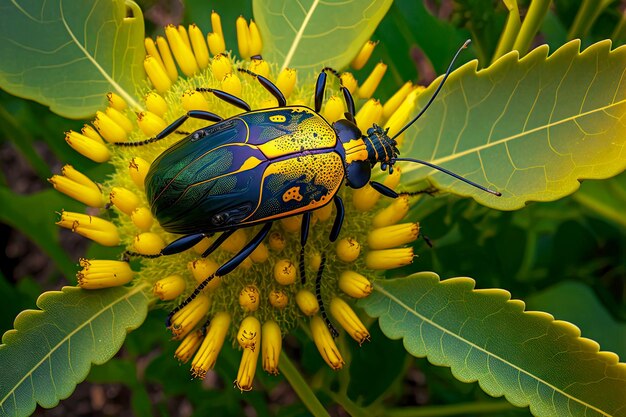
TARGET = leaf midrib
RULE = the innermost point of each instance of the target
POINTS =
(136, 290)
(476, 149)
(118, 88)
(296, 40)
(481, 349)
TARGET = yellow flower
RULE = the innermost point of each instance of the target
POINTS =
(271, 285)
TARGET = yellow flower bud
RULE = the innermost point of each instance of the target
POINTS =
(124, 199)
(91, 227)
(278, 299)
(211, 345)
(155, 103)
(371, 83)
(249, 298)
(199, 46)
(151, 49)
(256, 44)
(364, 55)
(260, 67)
(354, 284)
(392, 236)
(364, 198)
(389, 258)
(91, 133)
(371, 112)
(249, 334)
(232, 84)
(220, 66)
(235, 242)
(169, 288)
(168, 60)
(247, 369)
(138, 169)
(216, 23)
(78, 186)
(116, 101)
(324, 213)
(183, 35)
(120, 118)
(315, 261)
(148, 243)
(189, 316)
(184, 57)
(348, 319)
(348, 249)
(193, 100)
(334, 109)
(98, 274)
(348, 81)
(286, 81)
(400, 117)
(150, 124)
(159, 77)
(202, 246)
(271, 345)
(292, 224)
(393, 213)
(285, 272)
(216, 43)
(109, 129)
(188, 346)
(396, 100)
(243, 37)
(203, 268)
(260, 254)
(307, 302)
(325, 343)
(277, 241)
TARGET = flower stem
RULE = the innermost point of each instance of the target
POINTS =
(587, 14)
(301, 387)
(510, 31)
(536, 13)
(451, 410)
(619, 33)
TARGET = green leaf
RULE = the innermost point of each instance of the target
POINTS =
(484, 336)
(52, 349)
(576, 302)
(530, 128)
(310, 34)
(17, 211)
(69, 54)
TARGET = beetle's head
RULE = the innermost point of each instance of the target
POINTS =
(381, 148)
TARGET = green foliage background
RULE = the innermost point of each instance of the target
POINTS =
(565, 257)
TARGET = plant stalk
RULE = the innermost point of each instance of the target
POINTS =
(301, 387)
(451, 410)
(531, 24)
(587, 14)
(510, 31)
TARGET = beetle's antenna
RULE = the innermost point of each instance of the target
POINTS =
(432, 98)
(457, 176)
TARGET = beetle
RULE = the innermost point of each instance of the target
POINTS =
(264, 165)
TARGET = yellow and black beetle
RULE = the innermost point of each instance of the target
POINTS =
(264, 165)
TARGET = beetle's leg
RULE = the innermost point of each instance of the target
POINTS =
(182, 244)
(334, 233)
(319, 93)
(318, 294)
(194, 114)
(218, 242)
(304, 234)
(269, 86)
(226, 268)
(383, 189)
(227, 97)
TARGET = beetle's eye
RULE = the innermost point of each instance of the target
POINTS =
(197, 135)
(220, 218)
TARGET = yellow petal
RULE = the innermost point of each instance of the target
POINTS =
(184, 57)
(148, 243)
(116, 102)
(155, 103)
(307, 302)
(189, 316)
(285, 272)
(348, 249)
(150, 124)
(168, 59)
(286, 81)
(138, 169)
(200, 49)
(389, 258)
(393, 213)
(354, 284)
(256, 44)
(189, 346)
(364, 55)
(334, 109)
(142, 218)
(157, 74)
(271, 345)
(249, 298)
(371, 83)
(232, 84)
(109, 129)
(396, 100)
(348, 319)
(325, 343)
(169, 288)
(193, 100)
(392, 236)
(243, 37)
(124, 199)
(211, 345)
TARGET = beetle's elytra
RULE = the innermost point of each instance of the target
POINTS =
(264, 165)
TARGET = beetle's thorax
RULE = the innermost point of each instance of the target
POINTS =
(380, 147)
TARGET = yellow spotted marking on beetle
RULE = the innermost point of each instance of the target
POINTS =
(292, 194)
(277, 118)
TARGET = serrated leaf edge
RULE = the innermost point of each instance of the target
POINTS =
(574, 330)
(134, 291)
